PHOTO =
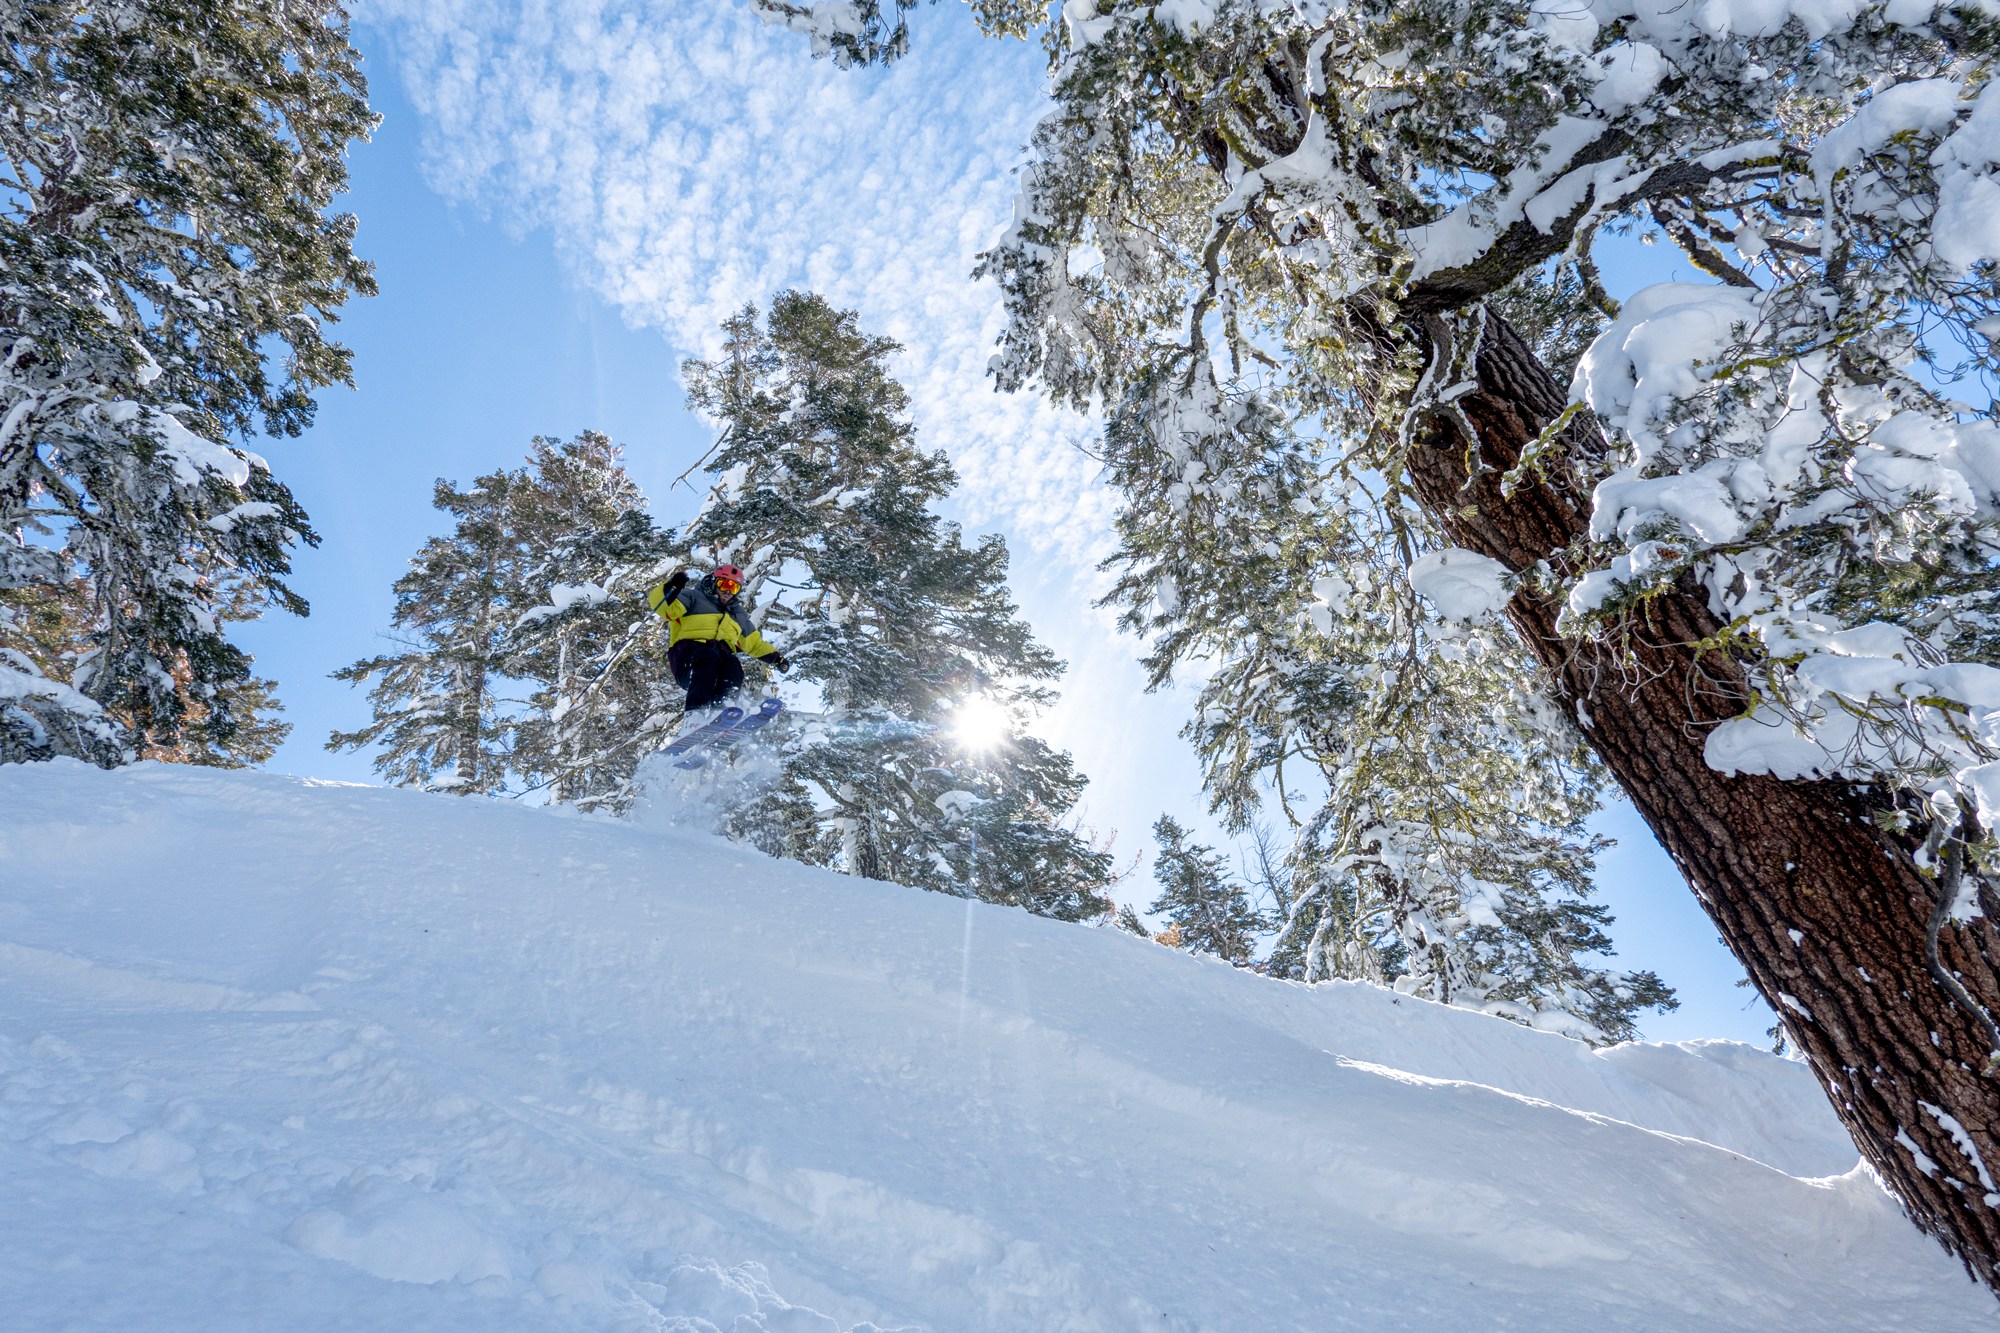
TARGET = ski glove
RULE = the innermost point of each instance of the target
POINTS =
(779, 660)
(675, 582)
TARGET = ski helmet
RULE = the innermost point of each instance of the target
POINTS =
(727, 574)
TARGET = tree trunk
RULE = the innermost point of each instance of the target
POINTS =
(472, 703)
(1825, 910)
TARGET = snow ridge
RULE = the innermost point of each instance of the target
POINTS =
(284, 1054)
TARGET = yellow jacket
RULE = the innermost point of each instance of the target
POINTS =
(693, 613)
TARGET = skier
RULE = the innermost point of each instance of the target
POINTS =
(706, 630)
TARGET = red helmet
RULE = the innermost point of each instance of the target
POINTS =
(728, 574)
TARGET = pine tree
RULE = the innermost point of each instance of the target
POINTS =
(1447, 855)
(1749, 552)
(532, 660)
(1126, 918)
(604, 698)
(825, 497)
(1210, 909)
(440, 719)
(169, 270)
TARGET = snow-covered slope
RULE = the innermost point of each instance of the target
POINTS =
(284, 1055)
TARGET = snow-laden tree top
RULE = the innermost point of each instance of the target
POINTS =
(1225, 178)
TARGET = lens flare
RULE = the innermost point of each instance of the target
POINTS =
(979, 723)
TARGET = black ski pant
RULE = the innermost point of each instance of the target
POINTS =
(707, 669)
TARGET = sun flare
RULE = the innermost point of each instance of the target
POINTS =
(980, 723)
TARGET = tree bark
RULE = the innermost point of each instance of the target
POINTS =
(1826, 910)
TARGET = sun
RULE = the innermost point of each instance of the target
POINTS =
(979, 723)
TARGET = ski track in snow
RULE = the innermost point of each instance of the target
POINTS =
(283, 1054)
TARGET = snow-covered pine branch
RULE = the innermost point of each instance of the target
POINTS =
(859, 32)
(165, 170)
(1812, 427)
(1438, 799)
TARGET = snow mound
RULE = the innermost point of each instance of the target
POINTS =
(1463, 585)
(280, 1054)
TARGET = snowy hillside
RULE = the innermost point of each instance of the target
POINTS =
(283, 1055)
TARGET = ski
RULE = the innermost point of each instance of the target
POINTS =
(706, 732)
(728, 736)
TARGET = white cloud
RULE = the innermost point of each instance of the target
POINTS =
(686, 159)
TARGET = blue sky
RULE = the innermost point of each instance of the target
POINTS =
(566, 197)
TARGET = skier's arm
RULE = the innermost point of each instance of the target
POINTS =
(760, 647)
(763, 650)
(665, 598)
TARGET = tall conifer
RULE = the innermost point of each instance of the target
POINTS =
(170, 267)
(506, 632)
(823, 494)
(1208, 909)
(602, 697)
(438, 716)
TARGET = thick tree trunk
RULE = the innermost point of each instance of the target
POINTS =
(1826, 912)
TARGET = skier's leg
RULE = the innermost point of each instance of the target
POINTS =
(708, 682)
(730, 668)
(680, 661)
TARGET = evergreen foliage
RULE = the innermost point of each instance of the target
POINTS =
(1209, 910)
(524, 659)
(603, 697)
(53, 633)
(1126, 918)
(438, 718)
(1410, 174)
(169, 267)
(860, 32)
(1439, 817)
(824, 496)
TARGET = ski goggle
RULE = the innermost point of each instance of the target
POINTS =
(725, 584)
